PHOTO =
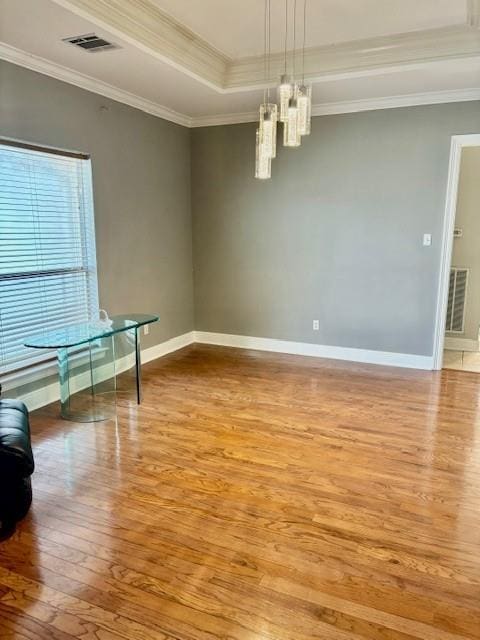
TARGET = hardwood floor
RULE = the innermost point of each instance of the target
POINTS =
(256, 496)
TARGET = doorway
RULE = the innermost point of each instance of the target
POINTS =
(457, 340)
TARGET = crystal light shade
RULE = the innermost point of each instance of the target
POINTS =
(263, 163)
(285, 92)
(268, 129)
(304, 102)
(291, 131)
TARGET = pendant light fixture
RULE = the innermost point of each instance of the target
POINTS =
(268, 128)
(285, 90)
(291, 130)
(266, 140)
(263, 164)
(295, 99)
(304, 90)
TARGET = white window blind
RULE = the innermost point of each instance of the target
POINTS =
(47, 247)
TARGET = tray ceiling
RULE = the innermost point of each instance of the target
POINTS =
(196, 62)
(236, 28)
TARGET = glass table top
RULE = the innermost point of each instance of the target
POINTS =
(76, 334)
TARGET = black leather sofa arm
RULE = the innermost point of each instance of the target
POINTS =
(16, 464)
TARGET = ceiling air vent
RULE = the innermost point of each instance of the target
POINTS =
(91, 43)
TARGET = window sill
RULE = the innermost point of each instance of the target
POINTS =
(37, 371)
(30, 374)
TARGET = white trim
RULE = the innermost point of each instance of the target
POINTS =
(45, 366)
(461, 344)
(360, 58)
(394, 102)
(457, 144)
(41, 65)
(164, 348)
(353, 106)
(41, 397)
(224, 118)
(387, 358)
(149, 29)
(51, 393)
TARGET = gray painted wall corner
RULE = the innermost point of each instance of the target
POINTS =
(141, 179)
(335, 235)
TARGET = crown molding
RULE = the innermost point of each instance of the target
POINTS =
(153, 31)
(353, 106)
(41, 65)
(395, 102)
(363, 57)
(224, 118)
(36, 63)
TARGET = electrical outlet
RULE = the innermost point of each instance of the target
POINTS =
(146, 329)
(316, 325)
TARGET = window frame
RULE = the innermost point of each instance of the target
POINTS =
(45, 357)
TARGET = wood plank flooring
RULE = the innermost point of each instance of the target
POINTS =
(255, 496)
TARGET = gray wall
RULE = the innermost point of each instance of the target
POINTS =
(141, 180)
(336, 234)
(466, 249)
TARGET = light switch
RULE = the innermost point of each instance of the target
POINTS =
(427, 239)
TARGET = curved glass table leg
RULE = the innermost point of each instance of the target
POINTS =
(88, 381)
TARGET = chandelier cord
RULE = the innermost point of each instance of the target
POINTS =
(304, 38)
(286, 36)
(268, 47)
(265, 51)
(294, 35)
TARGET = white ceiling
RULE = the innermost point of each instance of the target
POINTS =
(187, 79)
(236, 28)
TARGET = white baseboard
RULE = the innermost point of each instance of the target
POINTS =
(461, 344)
(368, 356)
(164, 348)
(51, 393)
(41, 397)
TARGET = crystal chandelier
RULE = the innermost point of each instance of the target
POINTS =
(294, 108)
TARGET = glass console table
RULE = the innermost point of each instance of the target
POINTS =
(90, 356)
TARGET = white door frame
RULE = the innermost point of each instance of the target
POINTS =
(458, 143)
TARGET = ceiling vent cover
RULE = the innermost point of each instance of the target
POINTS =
(91, 43)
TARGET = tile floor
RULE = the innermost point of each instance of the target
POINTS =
(462, 360)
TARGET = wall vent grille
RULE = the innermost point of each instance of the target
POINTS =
(457, 300)
(91, 42)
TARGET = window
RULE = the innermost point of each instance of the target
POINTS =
(47, 247)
